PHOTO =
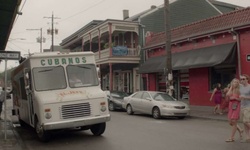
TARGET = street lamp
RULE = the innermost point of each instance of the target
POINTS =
(16, 39)
(40, 40)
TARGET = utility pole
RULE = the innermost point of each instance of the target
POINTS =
(169, 76)
(40, 39)
(52, 31)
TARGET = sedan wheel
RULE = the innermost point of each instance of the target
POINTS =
(111, 106)
(129, 110)
(156, 113)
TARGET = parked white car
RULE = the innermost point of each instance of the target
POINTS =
(157, 104)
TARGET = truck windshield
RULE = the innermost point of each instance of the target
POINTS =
(82, 75)
(49, 78)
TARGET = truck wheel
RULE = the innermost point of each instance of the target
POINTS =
(98, 129)
(42, 135)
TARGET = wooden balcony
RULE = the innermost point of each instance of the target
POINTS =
(104, 56)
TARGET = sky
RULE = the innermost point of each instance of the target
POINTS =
(69, 16)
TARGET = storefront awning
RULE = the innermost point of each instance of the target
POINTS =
(204, 57)
(152, 65)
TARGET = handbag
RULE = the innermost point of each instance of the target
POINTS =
(234, 106)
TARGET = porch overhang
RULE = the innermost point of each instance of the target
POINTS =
(204, 57)
(8, 12)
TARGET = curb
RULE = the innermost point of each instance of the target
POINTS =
(208, 118)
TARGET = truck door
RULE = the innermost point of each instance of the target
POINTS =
(28, 88)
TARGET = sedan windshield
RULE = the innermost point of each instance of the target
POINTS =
(162, 97)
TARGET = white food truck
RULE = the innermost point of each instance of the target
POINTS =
(56, 90)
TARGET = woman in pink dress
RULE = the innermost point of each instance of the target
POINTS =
(234, 108)
(217, 96)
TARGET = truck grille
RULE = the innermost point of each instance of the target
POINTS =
(75, 110)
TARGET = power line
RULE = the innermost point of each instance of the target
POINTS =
(18, 46)
(83, 10)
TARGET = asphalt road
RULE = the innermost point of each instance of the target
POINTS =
(140, 132)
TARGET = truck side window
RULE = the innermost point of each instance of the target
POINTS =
(22, 87)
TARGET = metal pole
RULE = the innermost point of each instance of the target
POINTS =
(41, 40)
(169, 76)
(41, 37)
(5, 106)
(52, 32)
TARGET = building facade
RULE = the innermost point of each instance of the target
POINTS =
(214, 50)
(116, 47)
(117, 44)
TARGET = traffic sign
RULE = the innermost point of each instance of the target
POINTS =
(10, 55)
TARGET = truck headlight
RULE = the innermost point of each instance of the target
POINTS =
(103, 106)
(48, 115)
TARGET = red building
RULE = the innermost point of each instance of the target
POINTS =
(210, 51)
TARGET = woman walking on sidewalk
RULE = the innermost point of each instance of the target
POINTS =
(217, 95)
(234, 108)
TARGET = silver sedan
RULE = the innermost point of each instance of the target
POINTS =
(157, 104)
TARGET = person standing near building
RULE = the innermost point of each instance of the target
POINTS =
(234, 108)
(2, 99)
(225, 102)
(245, 104)
(74, 81)
(217, 95)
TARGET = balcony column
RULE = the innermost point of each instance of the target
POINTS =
(132, 39)
(82, 43)
(99, 43)
(123, 39)
(110, 77)
(90, 42)
(110, 39)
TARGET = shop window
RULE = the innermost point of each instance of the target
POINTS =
(221, 75)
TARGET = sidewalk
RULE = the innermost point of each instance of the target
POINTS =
(14, 142)
(206, 112)
(9, 138)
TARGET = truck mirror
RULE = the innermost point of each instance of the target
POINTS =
(27, 75)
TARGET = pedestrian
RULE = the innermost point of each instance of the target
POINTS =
(234, 108)
(225, 99)
(74, 81)
(2, 99)
(217, 96)
(245, 104)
